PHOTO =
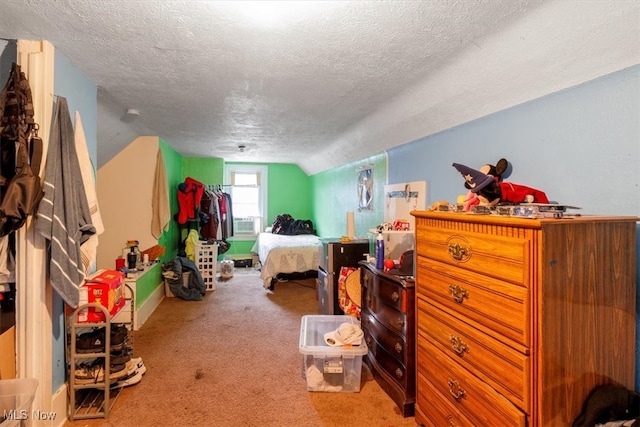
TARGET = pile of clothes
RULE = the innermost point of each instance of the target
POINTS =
(172, 271)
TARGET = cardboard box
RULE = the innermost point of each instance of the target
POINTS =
(105, 287)
(8, 354)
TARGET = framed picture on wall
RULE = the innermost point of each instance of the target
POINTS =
(365, 188)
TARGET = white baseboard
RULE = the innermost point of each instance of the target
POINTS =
(59, 406)
(149, 306)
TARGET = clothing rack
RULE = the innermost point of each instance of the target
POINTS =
(215, 188)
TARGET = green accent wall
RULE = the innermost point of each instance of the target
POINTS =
(207, 170)
(173, 167)
(147, 284)
(289, 192)
(335, 193)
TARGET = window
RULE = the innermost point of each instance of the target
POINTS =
(248, 184)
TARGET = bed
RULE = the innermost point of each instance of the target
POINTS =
(283, 255)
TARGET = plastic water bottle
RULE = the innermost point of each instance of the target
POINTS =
(380, 251)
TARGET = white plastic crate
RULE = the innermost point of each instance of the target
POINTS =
(326, 368)
(209, 279)
(206, 259)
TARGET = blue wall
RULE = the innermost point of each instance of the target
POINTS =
(81, 94)
(580, 145)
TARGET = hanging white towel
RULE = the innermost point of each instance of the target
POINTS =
(88, 249)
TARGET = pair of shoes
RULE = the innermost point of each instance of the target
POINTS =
(94, 373)
(134, 375)
(93, 342)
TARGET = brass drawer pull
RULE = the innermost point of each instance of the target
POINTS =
(458, 293)
(399, 373)
(395, 297)
(399, 322)
(458, 252)
(455, 390)
(450, 421)
(369, 340)
(398, 347)
(458, 346)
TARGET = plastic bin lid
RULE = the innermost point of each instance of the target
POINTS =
(17, 394)
(312, 330)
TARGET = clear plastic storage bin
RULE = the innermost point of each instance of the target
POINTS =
(16, 397)
(327, 368)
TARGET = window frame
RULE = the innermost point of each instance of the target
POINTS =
(262, 170)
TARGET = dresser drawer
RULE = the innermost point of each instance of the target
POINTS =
(475, 399)
(394, 343)
(387, 292)
(385, 314)
(392, 367)
(505, 258)
(494, 362)
(502, 308)
(438, 411)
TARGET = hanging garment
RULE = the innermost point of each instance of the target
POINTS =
(189, 197)
(89, 248)
(20, 154)
(209, 207)
(229, 216)
(160, 209)
(63, 215)
(190, 244)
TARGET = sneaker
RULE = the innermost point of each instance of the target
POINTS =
(139, 365)
(93, 342)
(119, 359)
(94, 373)
(119, 335)
(90, 342)
(133, 368)
(131, 380)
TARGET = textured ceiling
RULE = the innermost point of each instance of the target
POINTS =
(322, 83)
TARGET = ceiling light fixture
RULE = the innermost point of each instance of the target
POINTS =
(242, 148)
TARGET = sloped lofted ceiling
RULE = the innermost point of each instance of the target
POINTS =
(320, 83)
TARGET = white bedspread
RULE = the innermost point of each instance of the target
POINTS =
(286, 254)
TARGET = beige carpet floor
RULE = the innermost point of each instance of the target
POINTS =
(233, 360)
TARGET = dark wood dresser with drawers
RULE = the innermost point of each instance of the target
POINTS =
(388, 322)
(518, 319)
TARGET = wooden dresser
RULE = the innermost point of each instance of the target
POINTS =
(388, 322)
(519, 319)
